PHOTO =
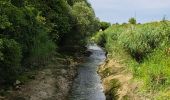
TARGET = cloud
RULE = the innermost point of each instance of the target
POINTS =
(146, 10)
(131, 3)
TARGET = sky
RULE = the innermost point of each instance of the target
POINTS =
(121, 10)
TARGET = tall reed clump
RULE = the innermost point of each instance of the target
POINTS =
(144, 48)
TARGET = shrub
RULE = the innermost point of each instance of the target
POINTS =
(132, 21)
(10, 60)
(142, 40)
(101, 40)
(145, 50)
(155, 75)
(28, 27)
(104, 25)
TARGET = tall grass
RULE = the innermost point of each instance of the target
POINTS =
(145, 50)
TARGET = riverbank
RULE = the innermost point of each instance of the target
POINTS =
(118, 82)
(144, 51)
(54, 81)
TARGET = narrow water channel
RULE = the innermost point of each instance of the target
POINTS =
(87, 85)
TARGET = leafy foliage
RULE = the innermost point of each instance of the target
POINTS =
(10, 52)
(132, 20)
(33, 30)
(85, 21)
(104, 25)
(144, 49)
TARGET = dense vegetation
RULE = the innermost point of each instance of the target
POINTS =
(144, 48)
(104, 25)
(32, 31)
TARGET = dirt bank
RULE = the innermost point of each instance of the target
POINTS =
(117, 81)
(51, 83)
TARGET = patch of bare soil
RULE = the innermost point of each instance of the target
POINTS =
(52, 83)
(117, 82)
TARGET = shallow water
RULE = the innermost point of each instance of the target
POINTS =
(87, 85)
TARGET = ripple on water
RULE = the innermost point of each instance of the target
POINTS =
(87, 85)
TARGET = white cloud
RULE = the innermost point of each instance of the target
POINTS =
(131, 3)
(122, 9)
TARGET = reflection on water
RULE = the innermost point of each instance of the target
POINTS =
(87, 85)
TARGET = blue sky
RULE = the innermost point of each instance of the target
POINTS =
(121, 10)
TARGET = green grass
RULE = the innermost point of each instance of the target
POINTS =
(144, 48)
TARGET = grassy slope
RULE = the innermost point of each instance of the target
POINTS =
(144, 48)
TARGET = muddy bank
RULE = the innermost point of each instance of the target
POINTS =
(50, 83)
(117, 81)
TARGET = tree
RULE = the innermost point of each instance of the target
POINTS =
(132, 20)
(27, 27)
(30, 31)
(104, 25)
(85, 21)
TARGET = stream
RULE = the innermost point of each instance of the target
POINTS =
(87, 85)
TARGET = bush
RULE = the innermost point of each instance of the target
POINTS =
(28, 27)
(10, 60)
(100, 39)
(132, 21)
(145, 50)
(154, 75)
(143, 39)
(39, 27)
(104, 25)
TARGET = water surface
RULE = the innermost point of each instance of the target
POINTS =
(87, 85)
